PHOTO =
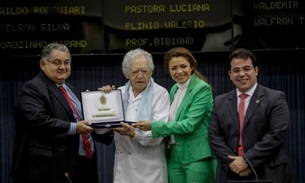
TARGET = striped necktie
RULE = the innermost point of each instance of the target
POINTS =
(85, 138)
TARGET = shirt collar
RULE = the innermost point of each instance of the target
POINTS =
(184, 85)
(249, 92)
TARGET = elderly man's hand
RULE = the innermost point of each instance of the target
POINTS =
(126, 130)
(107, 88)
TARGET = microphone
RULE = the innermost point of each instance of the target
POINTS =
(249, 163)
(67, 176)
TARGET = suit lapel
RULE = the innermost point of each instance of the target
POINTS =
(56, 92)
(255, 101)
(186, 97)
(60, 98)
(232, 108)
(173, 92)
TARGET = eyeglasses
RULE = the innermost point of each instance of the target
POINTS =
(244, 69)
(59, 62)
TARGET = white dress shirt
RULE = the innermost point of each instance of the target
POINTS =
(142, 158)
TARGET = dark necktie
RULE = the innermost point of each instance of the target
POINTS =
(85, 139)
(241, 116)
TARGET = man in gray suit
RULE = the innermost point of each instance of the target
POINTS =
(259, 142)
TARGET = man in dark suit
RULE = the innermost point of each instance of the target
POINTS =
(260, 139)
(49, 133)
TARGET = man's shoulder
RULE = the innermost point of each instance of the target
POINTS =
(269, 91)
(225, 96)
(221, 101)
(36, 80)
(121, 87)
(159, 87)
(265, 88)
(160, 92)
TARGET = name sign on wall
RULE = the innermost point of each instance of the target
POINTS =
(27, 26)
(274, 24)
(116, 26)
(159, 25)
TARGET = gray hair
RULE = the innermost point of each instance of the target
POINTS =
(132, 54)
(45, 53)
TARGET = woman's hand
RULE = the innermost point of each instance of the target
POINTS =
(142, 125)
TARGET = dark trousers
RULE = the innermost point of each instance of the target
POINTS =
(86, 170)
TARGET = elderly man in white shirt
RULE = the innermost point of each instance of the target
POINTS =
(138, 157)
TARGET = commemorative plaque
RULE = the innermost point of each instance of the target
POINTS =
(103, 110)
